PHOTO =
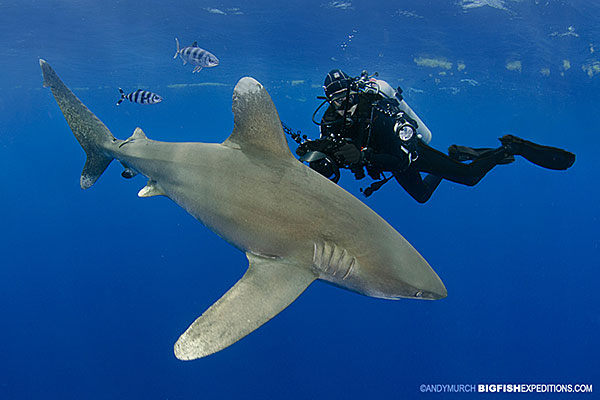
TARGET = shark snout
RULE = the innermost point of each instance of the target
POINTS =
(435, 295)
(432, 289)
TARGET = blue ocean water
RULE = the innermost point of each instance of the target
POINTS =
(97, 285)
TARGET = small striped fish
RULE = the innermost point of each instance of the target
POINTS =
(196, 56)
(140, 96)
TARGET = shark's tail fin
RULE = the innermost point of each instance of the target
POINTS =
(92, 134)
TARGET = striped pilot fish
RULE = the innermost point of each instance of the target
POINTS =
(140, 96)
(196, 56)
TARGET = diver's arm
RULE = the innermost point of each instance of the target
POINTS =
(331, 123)
(386, 162)
(349, 154)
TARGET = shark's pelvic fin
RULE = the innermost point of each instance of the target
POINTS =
(268, 286)
(257, 126)
(91, 133)
(152, 188)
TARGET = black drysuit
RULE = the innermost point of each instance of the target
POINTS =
(371, 138)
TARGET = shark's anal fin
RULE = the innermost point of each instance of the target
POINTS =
(152, 188)
(257, 127)
(269, 286)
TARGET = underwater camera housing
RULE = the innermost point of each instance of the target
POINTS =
(319, 154)
(323, 164)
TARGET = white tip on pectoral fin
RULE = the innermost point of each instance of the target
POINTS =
(269, 286)
(152, 188)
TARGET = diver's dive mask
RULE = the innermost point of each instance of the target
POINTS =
(344, 101)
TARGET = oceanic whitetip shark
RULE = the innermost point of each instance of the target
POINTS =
(294, 225)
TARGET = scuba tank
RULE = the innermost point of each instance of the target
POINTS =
(385, 89)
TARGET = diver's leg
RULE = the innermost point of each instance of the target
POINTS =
(431, 182)
(437, 163)
(420, 189)
(544, 156)
(464, 153)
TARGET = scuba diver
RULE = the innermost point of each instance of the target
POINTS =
(368, 126)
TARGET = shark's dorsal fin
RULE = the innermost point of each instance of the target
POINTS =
(269, 286)
(195, 44)
(257, 127)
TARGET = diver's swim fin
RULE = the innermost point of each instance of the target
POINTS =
(544, 156)
(464, 153)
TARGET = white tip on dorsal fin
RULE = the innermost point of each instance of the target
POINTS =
(152, 188)
(257, 126)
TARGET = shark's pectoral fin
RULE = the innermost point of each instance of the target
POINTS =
(269, 286)
(257, 126)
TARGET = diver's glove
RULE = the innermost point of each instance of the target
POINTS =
(348, 153)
